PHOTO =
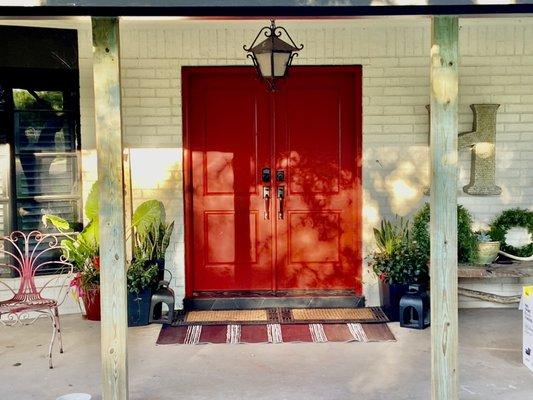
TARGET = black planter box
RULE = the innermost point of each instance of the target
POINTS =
(390, 295)
(139, 307)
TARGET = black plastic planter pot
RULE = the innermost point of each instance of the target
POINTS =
(390, 294)
(139, 307)
(160, 270)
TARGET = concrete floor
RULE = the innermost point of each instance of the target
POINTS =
(490, 356)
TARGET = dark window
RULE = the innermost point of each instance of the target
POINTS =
(39, 132)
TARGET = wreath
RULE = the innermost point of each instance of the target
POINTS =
(515, 217)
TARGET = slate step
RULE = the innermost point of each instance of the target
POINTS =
(252, 303)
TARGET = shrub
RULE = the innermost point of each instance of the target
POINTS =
(466, 239)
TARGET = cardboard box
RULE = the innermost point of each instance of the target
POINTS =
(527, 309)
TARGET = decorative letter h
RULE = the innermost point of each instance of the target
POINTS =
(482, 141)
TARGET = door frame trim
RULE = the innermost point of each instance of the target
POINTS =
(187, 72)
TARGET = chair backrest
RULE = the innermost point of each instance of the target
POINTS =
(28, 254)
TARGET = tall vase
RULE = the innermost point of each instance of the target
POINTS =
(91, 301)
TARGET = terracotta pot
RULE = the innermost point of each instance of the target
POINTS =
(91, 301)
(487, 252)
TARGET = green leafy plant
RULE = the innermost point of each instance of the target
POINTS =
(406, 264)
(398, 259)
(390, 236)
(151, 233)
(82, 249)
(141, 274)
(466, 239)
(151, 237)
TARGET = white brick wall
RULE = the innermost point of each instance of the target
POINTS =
(496, 65)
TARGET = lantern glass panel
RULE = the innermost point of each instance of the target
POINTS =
(265, 64)
(280, 63)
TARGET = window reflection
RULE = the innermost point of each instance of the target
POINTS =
(45, 156)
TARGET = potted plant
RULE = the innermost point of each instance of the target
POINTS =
(82, 250)
(141, 277)
(151, 233)
(151, 237)
(487, 249)
(398, 262)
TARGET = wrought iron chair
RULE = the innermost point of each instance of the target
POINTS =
(26, 254)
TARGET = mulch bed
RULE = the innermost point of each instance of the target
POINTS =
(275, 333)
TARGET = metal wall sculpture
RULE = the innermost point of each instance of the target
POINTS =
(482, 141)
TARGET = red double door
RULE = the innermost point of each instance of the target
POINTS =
(273, 180)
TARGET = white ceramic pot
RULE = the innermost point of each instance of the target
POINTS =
(487, 252)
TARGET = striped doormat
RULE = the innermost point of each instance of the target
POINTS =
(275, 333)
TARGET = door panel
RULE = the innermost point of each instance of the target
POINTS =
(229, 142)
(318, 238)
(310, 131)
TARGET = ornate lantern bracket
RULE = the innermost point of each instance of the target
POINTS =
(273, 56)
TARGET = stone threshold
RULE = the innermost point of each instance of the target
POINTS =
(261, 302)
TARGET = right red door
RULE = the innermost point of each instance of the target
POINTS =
(317, 117)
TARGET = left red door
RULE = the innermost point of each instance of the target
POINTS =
(229, 138)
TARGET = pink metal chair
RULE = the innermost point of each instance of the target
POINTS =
(26, 254)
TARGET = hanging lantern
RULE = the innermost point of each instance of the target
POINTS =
(272, 57)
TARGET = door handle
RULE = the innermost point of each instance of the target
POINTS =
(281, 197)
(266, 198)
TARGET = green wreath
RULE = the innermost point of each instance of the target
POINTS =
(509, 219)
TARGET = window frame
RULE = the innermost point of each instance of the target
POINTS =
(39, 79)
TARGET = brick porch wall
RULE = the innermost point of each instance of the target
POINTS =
(496, 66)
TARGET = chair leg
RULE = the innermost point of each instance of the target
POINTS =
(58, 324)
(54, 329)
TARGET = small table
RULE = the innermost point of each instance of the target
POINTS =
(515, 274)
(495, 270)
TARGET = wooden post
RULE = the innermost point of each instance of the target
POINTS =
(443, 201)
(113, 289)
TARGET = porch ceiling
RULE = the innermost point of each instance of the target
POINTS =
(261, 8)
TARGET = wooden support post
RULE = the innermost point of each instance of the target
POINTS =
(443, 201)
(113, 288)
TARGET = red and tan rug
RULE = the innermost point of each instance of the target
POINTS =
(275, 333)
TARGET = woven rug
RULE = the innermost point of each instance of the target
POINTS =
(282, 316)
(275, 333)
